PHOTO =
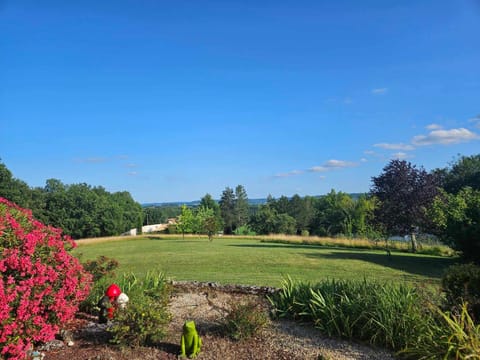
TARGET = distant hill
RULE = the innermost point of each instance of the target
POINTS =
(195, 203)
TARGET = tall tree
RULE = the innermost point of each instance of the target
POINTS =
(15, 190)
(458, 219)
(241, 206)
(404, 193)
(464, 172)
(335, 212)
(227, 208)
(186, 221)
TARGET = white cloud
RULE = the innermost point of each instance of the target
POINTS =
(445, 137)
(331, 165)
(398, 146)
(92, 160)
(379, 91)
(318, 169)
(475, 121)
(327, 166)
(401, 155)
(133, 173)
(339, 164)
(288, 174)
(363, 160)
(434, 127)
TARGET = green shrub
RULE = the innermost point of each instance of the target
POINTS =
(461, 283)
(143, 322)
(171, 229)
(305, 233)
(244, 230)
(103, 273)
(146, 316)
(244, 320)
(101, 267)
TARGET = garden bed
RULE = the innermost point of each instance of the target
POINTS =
(207, 305)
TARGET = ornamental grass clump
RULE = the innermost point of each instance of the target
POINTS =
(41, 283)
(391, 316)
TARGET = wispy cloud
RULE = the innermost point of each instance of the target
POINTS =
(475, 121)
(133, 173)
(288, 174)
(332, 165)
(92, 160)
(327, 166)
(379, 91)
(318, 169)
(434, 127)
(401, 155)
(397, 146)
(445, 137)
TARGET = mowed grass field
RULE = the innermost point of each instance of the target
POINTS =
(251, 262)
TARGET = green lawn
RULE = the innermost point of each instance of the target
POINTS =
(245, 261)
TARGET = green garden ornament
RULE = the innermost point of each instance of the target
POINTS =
(190, 343)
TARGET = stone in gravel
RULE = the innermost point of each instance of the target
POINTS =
(52, 345)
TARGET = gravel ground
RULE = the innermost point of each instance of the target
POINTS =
(207, 305)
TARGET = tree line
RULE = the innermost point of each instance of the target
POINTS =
(403, 200)
(81, 210)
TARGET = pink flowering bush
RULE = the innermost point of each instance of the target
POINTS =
(41, 284)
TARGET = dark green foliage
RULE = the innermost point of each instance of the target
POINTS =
(464, 172)
(227, 208)
(241, 206)
(244, 320)
(461, 283)
(102, 266)
(457, 217)
(160, 214)
(80, 210)
(268, 221)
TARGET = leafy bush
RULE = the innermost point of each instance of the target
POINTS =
(244, 230)
(101, 267)
(244, 320)
(461, 283)
(144, 320)
(41, 284)
(102, 270)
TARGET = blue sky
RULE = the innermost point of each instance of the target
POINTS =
(171, 100)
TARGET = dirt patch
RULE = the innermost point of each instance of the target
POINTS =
(207, 305)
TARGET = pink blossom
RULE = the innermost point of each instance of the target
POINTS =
(41, 284)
